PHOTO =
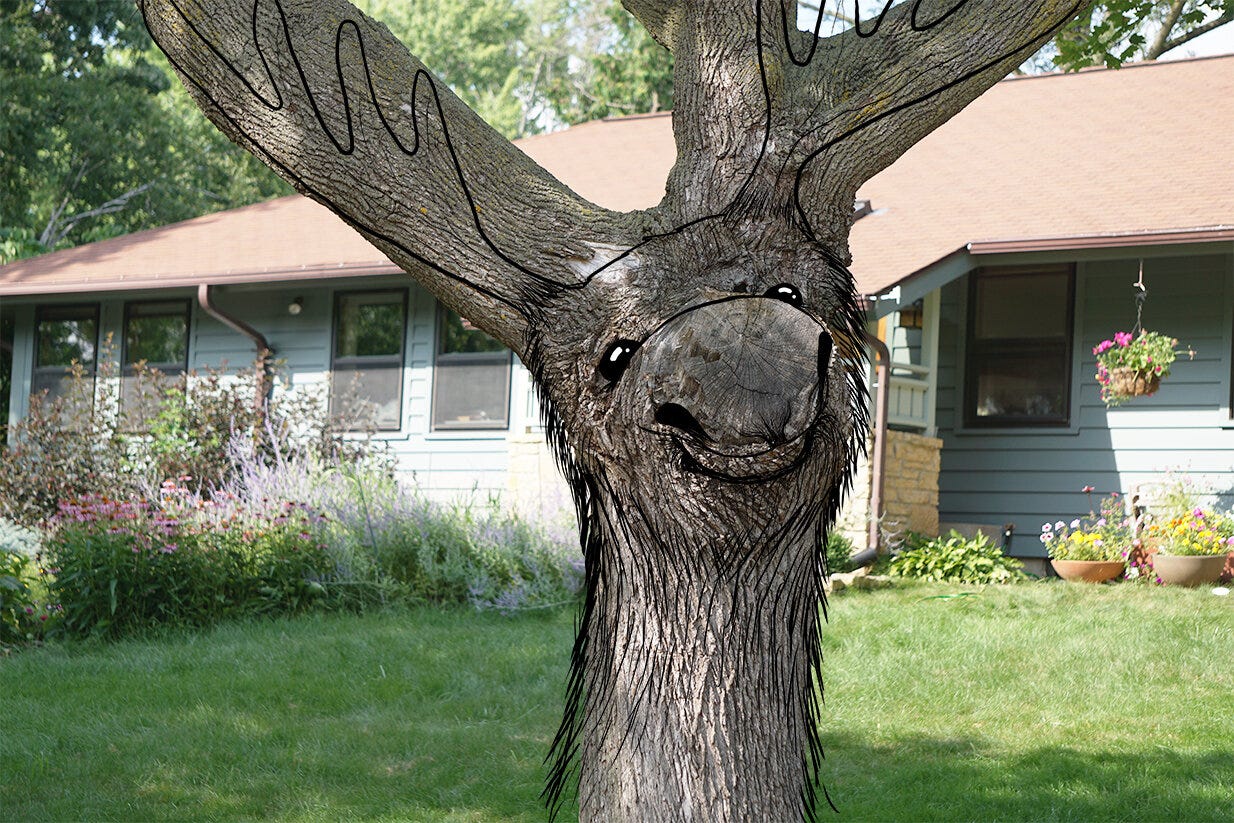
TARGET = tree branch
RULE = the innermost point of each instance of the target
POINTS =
(331, 101)
(1187, 37)
(657, 16)
(873, 91)
(56, 229)
(1167, 25)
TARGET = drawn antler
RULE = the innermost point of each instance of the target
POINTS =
(333, 102)
(824, 114)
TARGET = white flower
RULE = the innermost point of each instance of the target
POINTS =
(1045, 527)
(1060, 525)
(1075, 524)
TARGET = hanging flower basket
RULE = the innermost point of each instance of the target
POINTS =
(1130, 366)
(1127, 382)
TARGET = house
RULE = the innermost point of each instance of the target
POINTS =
(993, 257)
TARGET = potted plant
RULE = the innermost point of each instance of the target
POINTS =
(1092, 549)
(1130, 366)
(1190, 549)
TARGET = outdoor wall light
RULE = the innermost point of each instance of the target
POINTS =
(296, 306)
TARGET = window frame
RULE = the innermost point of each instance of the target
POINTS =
(37, 371)
(165, 367)
(1063, 346)
(505, 357)
(399, 361)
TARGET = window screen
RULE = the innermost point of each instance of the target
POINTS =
(471, 381)
(156, 337)
(65, 335)
(366, 386)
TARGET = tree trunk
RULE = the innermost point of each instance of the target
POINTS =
(701, 362)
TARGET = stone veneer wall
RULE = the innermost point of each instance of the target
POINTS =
(910, 490)
(534, 482)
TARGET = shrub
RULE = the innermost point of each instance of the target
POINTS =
(956, 559)
(86, 442)
(838, 553)
(122, 565)
(458, 552)
(18, 605)
(383, 532)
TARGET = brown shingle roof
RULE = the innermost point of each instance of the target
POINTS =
(1088, 155)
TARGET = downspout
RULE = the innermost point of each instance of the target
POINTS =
(878, 459)
(264, 349)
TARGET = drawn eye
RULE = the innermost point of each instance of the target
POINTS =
(786, 293)
(616, 359)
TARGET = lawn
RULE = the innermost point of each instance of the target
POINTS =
(1033, 702)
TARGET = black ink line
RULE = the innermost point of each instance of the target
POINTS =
(801, 170)
(346, 147)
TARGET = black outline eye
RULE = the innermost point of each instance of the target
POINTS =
(616, 359)
(785, 293)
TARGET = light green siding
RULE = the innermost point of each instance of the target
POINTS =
(1027, 477)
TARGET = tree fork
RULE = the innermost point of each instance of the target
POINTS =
(700, 362)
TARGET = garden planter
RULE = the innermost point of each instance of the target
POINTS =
(1189, 570)
(1133, 383)
(1088, 571)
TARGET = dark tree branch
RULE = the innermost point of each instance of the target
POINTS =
(333, 103)
(870, 93)
(1187, 37)
(57, 229)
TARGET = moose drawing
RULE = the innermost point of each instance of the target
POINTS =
(700, 363)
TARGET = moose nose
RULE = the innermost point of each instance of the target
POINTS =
(739, 374)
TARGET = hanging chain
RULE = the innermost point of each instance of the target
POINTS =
(1141, 292)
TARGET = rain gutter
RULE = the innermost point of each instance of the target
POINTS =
(878, 459)
(264, 349)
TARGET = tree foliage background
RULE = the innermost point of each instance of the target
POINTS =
(1121, 31)
(98, 139)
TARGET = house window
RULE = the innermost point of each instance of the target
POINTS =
(471, 381)
(1018, 370)
(64, 336)
(156, 338)
(366, 385)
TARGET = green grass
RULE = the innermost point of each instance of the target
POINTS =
(1034, 702)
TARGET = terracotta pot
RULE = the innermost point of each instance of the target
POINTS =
(1180, 570)
(1089, 571)
(1132, 383)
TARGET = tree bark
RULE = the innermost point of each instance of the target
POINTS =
(701, 362)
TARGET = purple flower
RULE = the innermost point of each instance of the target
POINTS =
(1198, 513)
(1122, 338)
